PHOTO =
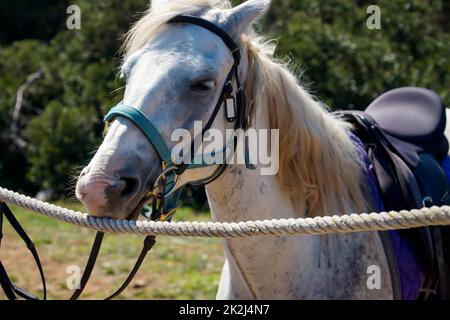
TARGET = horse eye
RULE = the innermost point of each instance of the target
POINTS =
(123, 76)
(204, 85)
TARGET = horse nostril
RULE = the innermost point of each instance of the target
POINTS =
(129, 187)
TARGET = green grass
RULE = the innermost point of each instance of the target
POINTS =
(177, 268)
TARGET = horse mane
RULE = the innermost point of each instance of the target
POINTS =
(318, 166)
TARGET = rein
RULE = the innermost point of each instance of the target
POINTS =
(164, 195)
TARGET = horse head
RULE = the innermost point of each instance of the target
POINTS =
(175, 75)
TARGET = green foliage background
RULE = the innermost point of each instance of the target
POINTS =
(341, 61)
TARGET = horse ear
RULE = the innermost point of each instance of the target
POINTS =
(239, 18)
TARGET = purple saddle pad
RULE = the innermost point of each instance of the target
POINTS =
(411, 271)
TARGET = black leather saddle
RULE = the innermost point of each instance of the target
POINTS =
(413, 120)
(403, 131)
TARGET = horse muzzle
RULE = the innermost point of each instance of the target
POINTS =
(109, 196)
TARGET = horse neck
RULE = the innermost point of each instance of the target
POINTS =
(288, 267)
(241, 194)
(285, 267)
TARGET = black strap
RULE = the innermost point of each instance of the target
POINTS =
(233, 47)
(241, 117)
(6, 284)
(230, 43)
(4, 210)
(24, 294)
(12, 291)
(89, 265)
(149, 242)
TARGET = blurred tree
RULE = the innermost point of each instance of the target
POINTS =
(70, 139)
(62, 114)
(339, 58)
(346, 64)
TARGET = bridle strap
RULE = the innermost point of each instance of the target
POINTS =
(6, 284)
(10, 289)
(140, 120)
(149, 242)
(229, 42)
(89, 265)
(12, 292)
(241, 117)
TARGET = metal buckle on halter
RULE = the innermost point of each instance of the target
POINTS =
(229, 101)
(106, 128)
(158, 195)
(230, 109)
(427, 202)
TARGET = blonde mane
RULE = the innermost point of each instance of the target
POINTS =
(319, 167)
(156, 17)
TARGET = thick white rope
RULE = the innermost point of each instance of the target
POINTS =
(434, 216)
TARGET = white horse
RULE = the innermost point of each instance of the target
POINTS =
(175, 74)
